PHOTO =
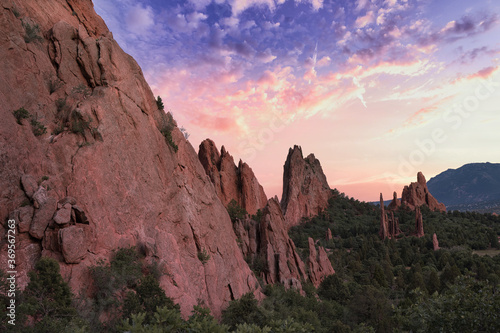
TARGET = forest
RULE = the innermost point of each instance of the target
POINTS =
(391, 285)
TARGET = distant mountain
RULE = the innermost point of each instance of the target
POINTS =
(472, 187)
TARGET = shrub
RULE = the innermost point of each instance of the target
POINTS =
(20, 114)
(203, 256)
(15, 11)
(78, 124)
(159, 104)
(81, 89)
(31, 33)
(37, 127)
(167, 133)
(185, 133)
(235, 211)
(244, 310)
(148, 297)
(47, 298)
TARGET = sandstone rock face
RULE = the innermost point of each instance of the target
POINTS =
(395, 203)
(318, 263)
(419, 224)
(29, 185)
(389, 224)
(435, 242)
(231, 182)
(383, 232)
(42, 218)
(328, 235)
(267, 242)
(63, 214)
(305, 188)
(75, 242)
(283, 263)
(417, 194)
(131, 187)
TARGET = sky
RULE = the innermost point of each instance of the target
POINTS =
(377, 89)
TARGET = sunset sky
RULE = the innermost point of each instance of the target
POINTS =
(378, 90)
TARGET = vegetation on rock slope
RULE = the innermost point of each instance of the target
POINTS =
(379, 286)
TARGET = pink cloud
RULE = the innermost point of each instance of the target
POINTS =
(363, 21)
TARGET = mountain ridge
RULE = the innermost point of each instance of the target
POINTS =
(473, 186)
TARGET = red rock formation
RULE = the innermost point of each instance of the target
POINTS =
(283, 262)
(318, 263)
(267, 242)
(328, 235)
(384, 229)
(305, 188)
(393, 225)
(395, 203)
(435, 242)
(104, 147)
(419, 224)
(231, 182)
(417, 194)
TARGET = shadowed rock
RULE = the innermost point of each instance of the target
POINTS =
(305, 188)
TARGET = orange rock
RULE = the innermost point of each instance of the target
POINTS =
(318, 263)
(131, 186)
(305, 188)
(231, 182)
(417, 194)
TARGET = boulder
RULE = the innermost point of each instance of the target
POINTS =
(75, 242)
(42, 217)
(25, 218)
(63, 214)
(29, 185)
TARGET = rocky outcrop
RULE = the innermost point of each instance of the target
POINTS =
(328, 236)
(305, 188)
(435, 242)
(283, 262)
(419, 224)
(389, 224)
(268, 247)
(318, 264)
(395, 203)
(95, 134)
(417, 194)
(384, 229)
(231, 182)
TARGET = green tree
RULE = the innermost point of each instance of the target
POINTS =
(159, 103)
(333, 288)
(47, 298)
(147, 299)
(243, 310)
(235, 211)
(468, 306)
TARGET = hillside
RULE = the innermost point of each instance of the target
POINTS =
(472, 187)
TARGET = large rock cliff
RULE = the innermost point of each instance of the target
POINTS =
(231, 182)
(90, 170)
(417, 194)
(305, 188)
